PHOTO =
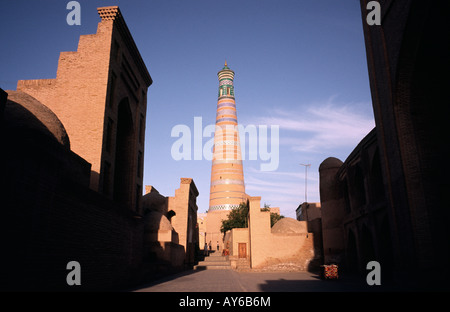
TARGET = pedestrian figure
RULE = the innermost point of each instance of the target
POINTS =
(206, 249)
(217, 245)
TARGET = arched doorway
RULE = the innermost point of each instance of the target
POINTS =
(124, 155)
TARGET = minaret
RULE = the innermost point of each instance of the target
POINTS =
(227, 176)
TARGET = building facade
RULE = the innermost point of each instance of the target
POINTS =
(408, 70)
(287, 243)
(355, 210)
(60, 203)
(170, 229)
(100, 95)
(387, 200)
(184, 219)
(312, 214)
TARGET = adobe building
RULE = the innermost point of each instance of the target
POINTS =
(162, 249)
(201, 221)
(100, 95)
(184, 219)
(170, 228)
(387, 201)
(312, 214)
(354, 209)
(261, 246)
(72, 167)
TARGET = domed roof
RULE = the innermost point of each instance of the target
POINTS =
(155, 221)
(330, 162)
(225, 69)
(225, 66)
(24, 112)
(289, 225)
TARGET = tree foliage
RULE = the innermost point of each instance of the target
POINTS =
(274, 217)
(237, 218)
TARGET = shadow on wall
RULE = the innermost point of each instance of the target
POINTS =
(162, 252)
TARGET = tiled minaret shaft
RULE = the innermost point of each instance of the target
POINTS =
(227, 176)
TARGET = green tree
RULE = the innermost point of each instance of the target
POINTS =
(274, 217)
(237, 218)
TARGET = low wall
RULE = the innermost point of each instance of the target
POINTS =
(297, 249)
(268, 248)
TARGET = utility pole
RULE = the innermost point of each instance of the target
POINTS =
(306, 180)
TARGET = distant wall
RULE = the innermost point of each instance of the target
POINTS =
(233, 238)
(184, 221)
(270, 248)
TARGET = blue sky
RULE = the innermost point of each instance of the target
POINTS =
(299, 64)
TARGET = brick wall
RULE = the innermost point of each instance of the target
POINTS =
(408, 63)
(51, 217)
(61, 205)
(77, 95)
(93, 88)
(185, 219)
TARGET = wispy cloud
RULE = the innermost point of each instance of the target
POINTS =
(317, 130)
(320, 127)
(281, 174)
(253, 183)
(281, 189)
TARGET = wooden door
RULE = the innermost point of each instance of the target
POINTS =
(242, 250)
